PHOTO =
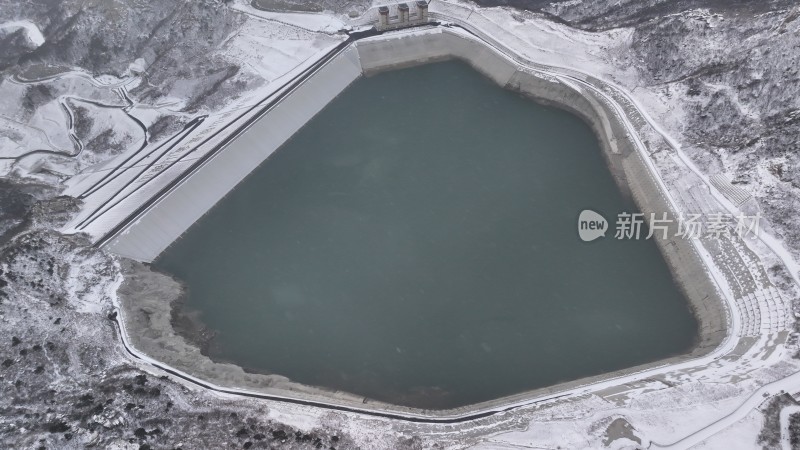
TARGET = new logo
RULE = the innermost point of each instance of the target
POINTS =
(591, 225)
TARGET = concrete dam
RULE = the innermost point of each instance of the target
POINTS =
(149, 233)
(407, 38)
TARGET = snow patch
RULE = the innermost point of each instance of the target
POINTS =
(35, 37)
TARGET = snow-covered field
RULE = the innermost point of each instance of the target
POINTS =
(92, 135)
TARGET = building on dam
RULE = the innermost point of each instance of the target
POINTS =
(401, 15)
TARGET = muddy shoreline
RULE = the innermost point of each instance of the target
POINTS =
(187, 323)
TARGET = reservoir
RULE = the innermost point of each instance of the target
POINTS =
(416, 243)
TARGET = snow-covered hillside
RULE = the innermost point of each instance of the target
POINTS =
(85, 83)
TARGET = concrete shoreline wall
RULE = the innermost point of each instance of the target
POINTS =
(630, 172)
(636, 181)
(368, 56)
(171, 215)
(406, 49)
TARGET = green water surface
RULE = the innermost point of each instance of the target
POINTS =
(416, 243)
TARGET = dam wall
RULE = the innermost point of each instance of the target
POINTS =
(637, 181)
(172, 214)
(634, 178)
(411, 48)
(169, 216)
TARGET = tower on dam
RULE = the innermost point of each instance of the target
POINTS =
(422, 11)
(401, 15)
(402, 12)
(383, 13)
